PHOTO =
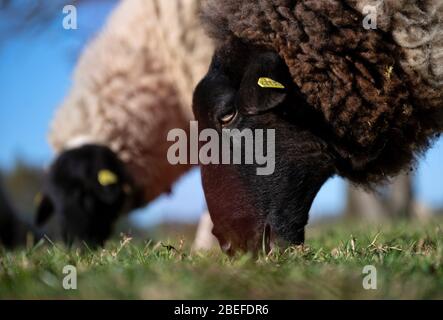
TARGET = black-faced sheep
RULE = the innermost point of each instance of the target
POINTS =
(362, 104)
(132, 85)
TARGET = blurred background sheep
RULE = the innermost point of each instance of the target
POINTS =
(38, 57)
(132, 85)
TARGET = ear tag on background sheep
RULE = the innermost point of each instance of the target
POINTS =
(269, 83)
(106, 178)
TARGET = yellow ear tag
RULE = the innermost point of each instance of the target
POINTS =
(269, 83)
(106, 178)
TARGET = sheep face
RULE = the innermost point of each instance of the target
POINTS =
(249, 209)
(87, 189)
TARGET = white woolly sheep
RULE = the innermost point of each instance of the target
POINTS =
(132, 85)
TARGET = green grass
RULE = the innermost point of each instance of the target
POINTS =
(408, 258)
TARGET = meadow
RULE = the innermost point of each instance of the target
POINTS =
(407, 257)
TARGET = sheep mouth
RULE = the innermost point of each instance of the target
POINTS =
(263, 242)
(272, 241)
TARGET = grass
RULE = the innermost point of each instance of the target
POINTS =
(408, 258)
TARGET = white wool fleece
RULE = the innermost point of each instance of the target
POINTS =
(134, 83)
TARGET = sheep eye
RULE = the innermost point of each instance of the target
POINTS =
(228, 118)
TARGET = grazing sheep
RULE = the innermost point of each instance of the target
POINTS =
(362, 104)
(132, 85)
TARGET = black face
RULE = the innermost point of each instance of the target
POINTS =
(247, 208)
(87, 188)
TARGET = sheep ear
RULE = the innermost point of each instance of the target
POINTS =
(263, 95)
(45, 209)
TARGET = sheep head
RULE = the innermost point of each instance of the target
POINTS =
(87, 188)
(245, 206)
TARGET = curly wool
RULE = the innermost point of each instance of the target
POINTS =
(379, 91)
(417, 27)
(133, 84)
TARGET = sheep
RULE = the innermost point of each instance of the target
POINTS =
(132, 85)
(343, 100)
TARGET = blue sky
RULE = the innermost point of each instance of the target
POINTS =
(35, 74)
